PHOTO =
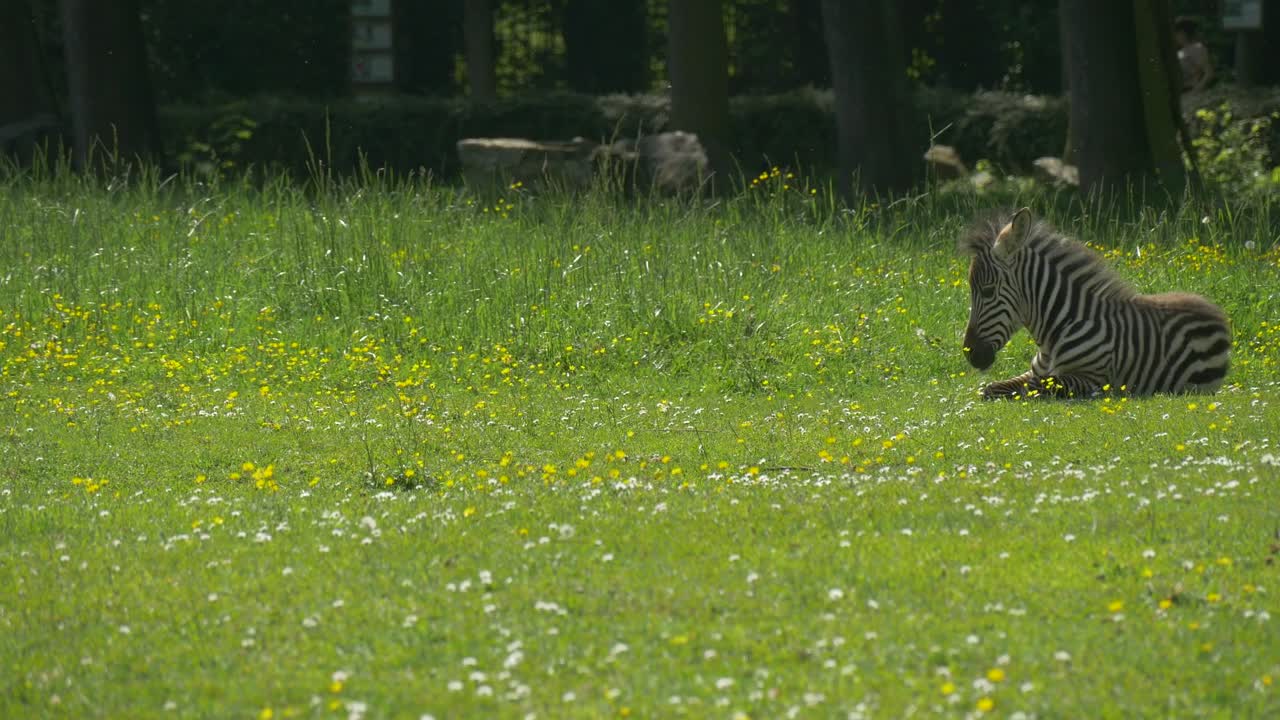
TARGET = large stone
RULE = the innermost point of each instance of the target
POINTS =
(945, 163)
(669, 162)
(489, 162)
(1055, 171)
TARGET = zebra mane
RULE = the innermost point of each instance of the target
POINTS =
(980, 236)
(1043, 239)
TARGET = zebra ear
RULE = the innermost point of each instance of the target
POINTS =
(1014, 235)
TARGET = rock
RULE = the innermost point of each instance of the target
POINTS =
(668, 162)
(982, 179)
(1053, 171)
(502, 161)
(945, 163)
(673, 161)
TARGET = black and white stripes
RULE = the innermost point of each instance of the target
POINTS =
(1092, 329)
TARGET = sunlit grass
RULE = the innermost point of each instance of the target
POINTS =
(388, 450)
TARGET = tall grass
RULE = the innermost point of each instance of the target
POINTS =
(377, 448)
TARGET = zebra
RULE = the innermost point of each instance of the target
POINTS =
(1094, 332)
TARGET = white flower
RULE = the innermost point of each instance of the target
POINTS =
(1148, 553)
(1062, 656)
(1069, 537)
(835, 594)
(724, 683)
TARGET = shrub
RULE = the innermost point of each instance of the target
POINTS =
(797, 128)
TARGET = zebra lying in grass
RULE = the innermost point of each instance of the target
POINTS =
(1094, 332)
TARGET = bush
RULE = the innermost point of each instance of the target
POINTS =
(797, 128)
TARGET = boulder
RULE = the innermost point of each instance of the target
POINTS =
(487, 162)
(945, 163)
(982, 180)
(668, 162)
(1055, 171)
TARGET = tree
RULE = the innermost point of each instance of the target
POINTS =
(477, 31)
(808, 52)
(698, 68)
(875, 120)
(26, 105)
(604, 45)
(112, 109)
(427, 37)
(1124, 118)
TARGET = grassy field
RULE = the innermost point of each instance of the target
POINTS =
(384, 451)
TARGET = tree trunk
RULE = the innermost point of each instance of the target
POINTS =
(878, 150)
(427, 36)
(478, 36)
(1268, 72)
(604, 46)
(808, 51)
(112, 110)
(27, 112)
(1159, 84)
(1107, 119)
(1069, 147)
(698, 67)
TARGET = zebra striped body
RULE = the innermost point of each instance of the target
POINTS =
(1094, 332)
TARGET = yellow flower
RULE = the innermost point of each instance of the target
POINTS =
(986, 704)
(995, 675)
(948, 688)
(1115, 606)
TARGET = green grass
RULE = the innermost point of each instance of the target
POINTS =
(376, 450)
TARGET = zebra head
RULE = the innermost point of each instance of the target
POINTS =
(994, 313)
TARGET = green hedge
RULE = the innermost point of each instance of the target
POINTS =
(794, 129)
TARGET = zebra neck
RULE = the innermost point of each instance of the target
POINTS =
(1054, 306)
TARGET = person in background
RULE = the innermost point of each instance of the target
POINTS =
(1193, 56)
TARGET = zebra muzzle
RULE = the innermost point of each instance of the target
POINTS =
(979, 354)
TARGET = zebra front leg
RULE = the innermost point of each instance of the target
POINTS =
(1028, 385)
(1015, 387)
(1069, 386)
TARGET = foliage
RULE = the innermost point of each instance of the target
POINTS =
(374, 450)
(1232, 153)
(795, 128)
